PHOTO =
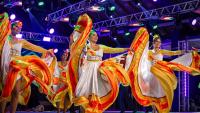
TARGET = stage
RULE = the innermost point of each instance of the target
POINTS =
(104, 112)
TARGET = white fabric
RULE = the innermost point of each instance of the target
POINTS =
(129, 58)
(157, 56)
(76, 35)
(7, 57)
(149, 84)
(57, 71)
(90, 81)
(185, 59)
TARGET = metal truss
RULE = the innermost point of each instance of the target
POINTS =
(75, 8)
(11, 3)
(183, 78)
(154, 13)
(39, 37)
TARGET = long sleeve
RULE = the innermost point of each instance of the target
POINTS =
(170, 53)
(107, 49)
(150, 56)
(32, 47)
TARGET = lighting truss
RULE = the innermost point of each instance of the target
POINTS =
(11, 3)
(154, 13)
(75, 8)
(39, 37)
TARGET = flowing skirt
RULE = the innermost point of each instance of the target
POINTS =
(91, 82)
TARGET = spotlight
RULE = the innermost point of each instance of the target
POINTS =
(155, 0)
(40, 3)
(96, 8)
(194, 21)
(139, 4)
(51, 31)
(55, 50)
(127, 33)
(155, 26)
(66, 19)
(105, 31)
(102, 0)
(46, 19)
(112, 8)
(12, 16)
(136, 24)
(19, 3)
(115, 38)
(18, 36)
(46, 39)
(111, 16)
(28, 9)
(167, 18)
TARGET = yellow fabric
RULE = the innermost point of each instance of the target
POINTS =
(163, 52)
(107, 49)
(75, 53)
(170, 53)
(5, 29)
(29, 46)
(24, 64)
(168, 82)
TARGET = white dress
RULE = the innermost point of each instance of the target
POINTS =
(90, 80)
(7, 55)
(149, 84)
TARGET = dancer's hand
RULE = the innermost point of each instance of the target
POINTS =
(50, 53)
(130, 49)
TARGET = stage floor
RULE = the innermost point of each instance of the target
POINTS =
(104, 112)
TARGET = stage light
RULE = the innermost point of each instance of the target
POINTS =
(155, 26)
(66, 19)
(167, 18)
(46, 39)
(18, 36)
(28, 9)
(105, 30)
(115, 38)
(102, 0)
(19, 3)
(51, 31)
(12, 16)
(199, 85)
(55, 50)
(127, 33)
(112, 8)
(40, 3)
(46, 18)
(96, 8)
(151, 33)
(138, 4)
(194, 21)
(111, 16)
(155, 0)
(136, 24)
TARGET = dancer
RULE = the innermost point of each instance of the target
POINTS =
(60, 84)
(154, 88)
(109, 70)
(153, 80)
(92, 86)
(11, 49)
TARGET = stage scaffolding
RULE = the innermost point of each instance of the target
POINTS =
(183, 77)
